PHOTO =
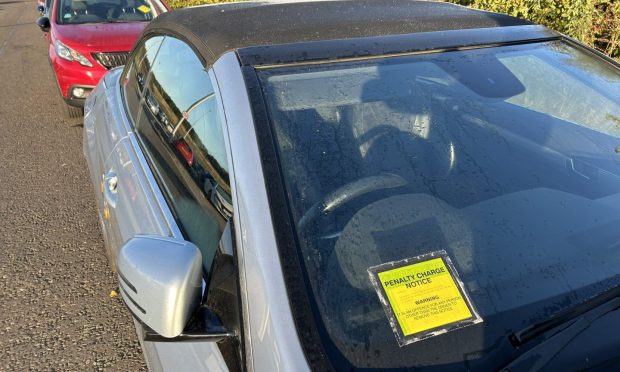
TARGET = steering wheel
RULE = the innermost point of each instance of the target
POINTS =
(348, 192)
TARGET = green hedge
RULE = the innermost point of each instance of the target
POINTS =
(175, 4)
(595, 22)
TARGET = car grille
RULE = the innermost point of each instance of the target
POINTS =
(111, 59)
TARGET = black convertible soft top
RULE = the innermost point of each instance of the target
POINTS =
(330, 29)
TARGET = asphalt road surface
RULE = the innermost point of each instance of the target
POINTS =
(56, 312)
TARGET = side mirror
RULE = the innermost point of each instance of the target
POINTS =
(41, 9)
(44, 24)
(160, 281)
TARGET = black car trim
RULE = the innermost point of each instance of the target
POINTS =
(594, 52)
(75, 102)
(436, 41)
(126, 295)
(127, 282)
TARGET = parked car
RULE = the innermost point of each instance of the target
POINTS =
(366, 185)
(89, 37)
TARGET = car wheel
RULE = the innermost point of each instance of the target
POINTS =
(75, 112)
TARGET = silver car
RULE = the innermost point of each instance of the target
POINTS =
(361, 185)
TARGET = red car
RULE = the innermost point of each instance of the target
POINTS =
(89, 37)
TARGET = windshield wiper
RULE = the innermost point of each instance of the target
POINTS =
(520, 337)
(574, 320)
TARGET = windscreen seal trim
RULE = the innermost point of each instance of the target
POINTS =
(380, 46)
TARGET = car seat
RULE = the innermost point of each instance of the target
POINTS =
(406, 136)
(391, 229)
(320, 154)
(130, 12)
(81, 13)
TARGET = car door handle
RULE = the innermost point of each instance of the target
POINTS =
(110, 189)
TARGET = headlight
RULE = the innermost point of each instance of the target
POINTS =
(62, 51)
(69, 54)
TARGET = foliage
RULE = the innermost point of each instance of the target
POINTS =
(175, 4)
(594, 22)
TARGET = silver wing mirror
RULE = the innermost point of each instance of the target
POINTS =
(160, 281)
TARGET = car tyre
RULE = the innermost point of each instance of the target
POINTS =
(75, 112)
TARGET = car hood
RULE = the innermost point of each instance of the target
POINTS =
(100, 37)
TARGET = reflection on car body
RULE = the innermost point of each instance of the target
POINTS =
(204, 167)
(189, 148)
(259, 176)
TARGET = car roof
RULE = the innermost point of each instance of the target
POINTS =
(254, 28)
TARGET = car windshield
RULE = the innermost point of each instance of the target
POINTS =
(506, 158)
(101, 11)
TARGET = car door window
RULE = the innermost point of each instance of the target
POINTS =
(181, 130)
(199, 140)
(137, 71)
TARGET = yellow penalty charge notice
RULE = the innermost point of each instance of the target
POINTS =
(422, 296)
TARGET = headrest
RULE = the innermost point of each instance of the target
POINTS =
(79, 5)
